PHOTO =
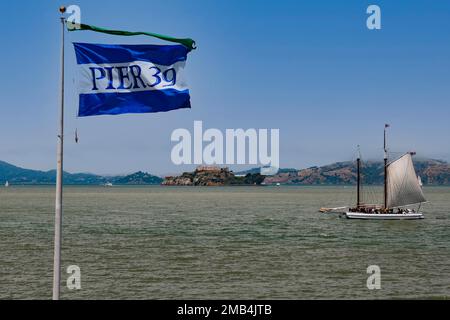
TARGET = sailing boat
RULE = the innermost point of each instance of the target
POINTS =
(402, 188)
(6, 184)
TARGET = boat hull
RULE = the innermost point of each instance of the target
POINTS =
(384, 216)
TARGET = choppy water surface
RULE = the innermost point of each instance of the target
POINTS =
(214, 243)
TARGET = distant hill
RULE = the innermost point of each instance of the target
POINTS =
(20, 176)
(138, 178)
(432, 172)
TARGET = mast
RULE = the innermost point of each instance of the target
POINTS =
(358, 179)
(385, 167)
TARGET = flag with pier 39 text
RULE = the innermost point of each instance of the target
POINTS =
(117, 79)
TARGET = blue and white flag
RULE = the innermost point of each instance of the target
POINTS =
(116, 79)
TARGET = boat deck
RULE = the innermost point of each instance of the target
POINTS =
(383, 216)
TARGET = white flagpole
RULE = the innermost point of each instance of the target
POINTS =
(59, 179)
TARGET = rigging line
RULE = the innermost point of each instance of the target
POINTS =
(369, 194)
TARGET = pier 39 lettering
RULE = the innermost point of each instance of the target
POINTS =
(128, 77)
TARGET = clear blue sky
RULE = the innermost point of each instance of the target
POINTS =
(310, 68)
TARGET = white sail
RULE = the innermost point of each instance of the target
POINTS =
(403, 187)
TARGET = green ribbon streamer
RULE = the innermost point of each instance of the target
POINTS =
(187, 42)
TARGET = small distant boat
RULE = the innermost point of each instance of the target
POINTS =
(402, 189)
(332, 210)
(278, 184)
(6, 184)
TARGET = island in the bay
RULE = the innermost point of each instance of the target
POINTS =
(213, 176)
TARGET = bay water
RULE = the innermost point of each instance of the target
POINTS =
(219, 243)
